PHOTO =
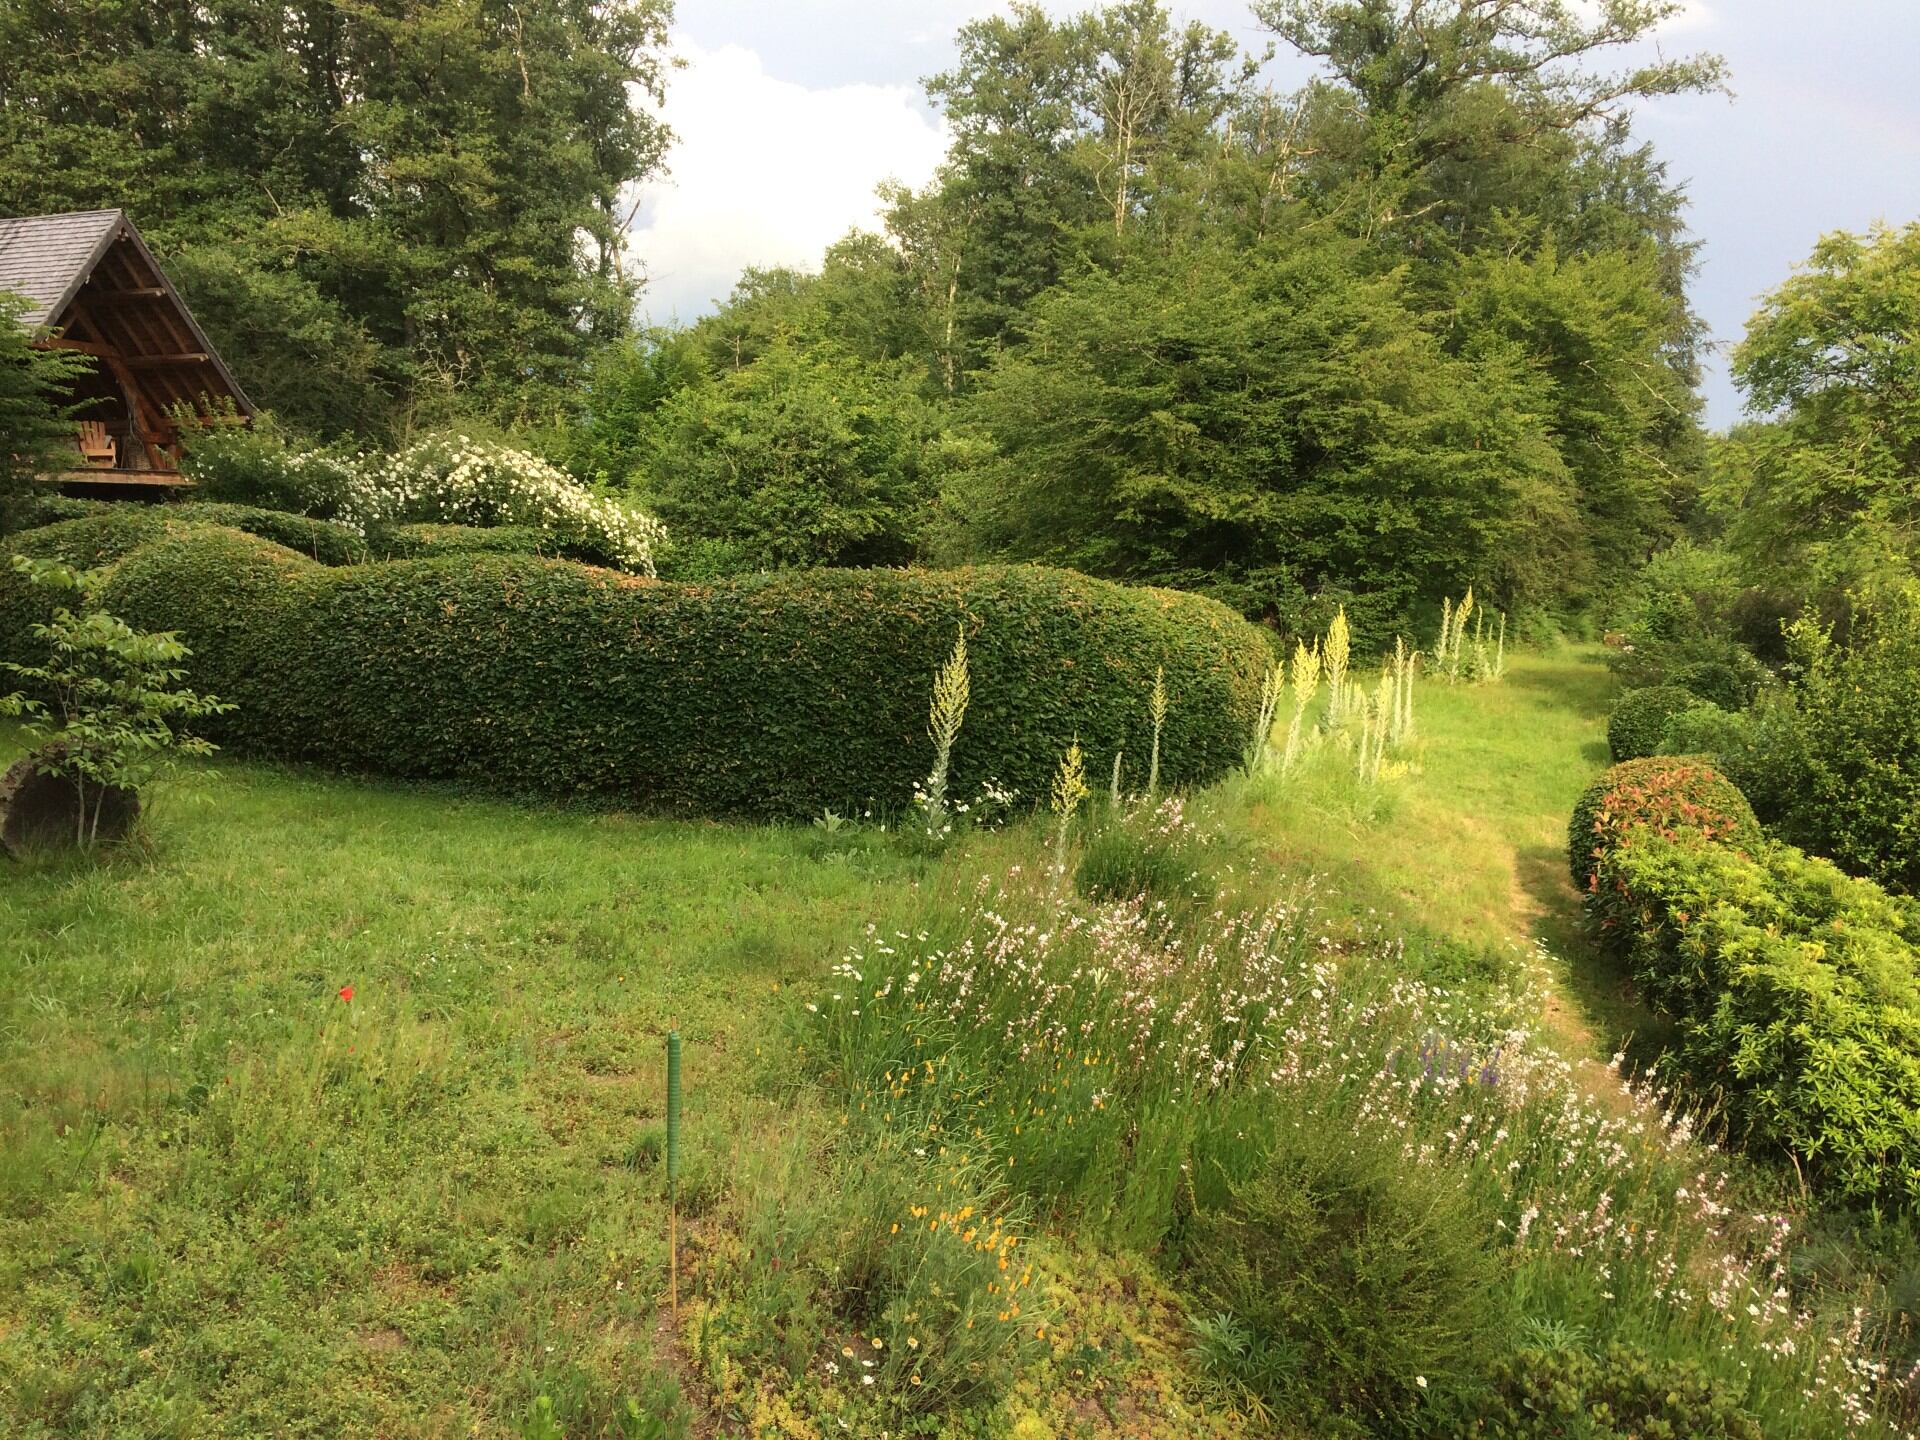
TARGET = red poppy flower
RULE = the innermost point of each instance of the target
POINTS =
(346, 992)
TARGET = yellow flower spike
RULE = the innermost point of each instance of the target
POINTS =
(1039, 1332)
(896, 1228)
(912, 1343)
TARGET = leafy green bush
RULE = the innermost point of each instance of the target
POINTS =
(778, 695)
(228, 594)
(1857, 742)
(115, 530)
(1366, 1301)
(1797, 998)
(1621, 1394)
(424, 540)
(1640, 718)
(254, 465)
(1715, 681)
(1667, 795)
(83, 544)
(1706, 729)
(320, 540)
(30, 512)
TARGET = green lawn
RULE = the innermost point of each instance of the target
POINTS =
(234, 1202)
(1473, 844)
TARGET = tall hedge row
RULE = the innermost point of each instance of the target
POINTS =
(777, 695)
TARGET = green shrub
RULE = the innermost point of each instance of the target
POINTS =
(85, 544)
(1364, 1294)
(1716, 682)
(29, 512)
(1796, 997)
(1856, 742)
(778, 695)
(228, 594)
(106, 536)
(425, 540)
(1706, 729)
(1640, 718)
(253, 465)
(1667, 795)
(320, 540)
(1621, 1394)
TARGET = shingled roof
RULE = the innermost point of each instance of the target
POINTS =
(47, 258)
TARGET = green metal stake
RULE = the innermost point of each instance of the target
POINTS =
(673, 1171)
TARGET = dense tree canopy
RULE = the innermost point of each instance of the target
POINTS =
(1419, 325)
(380, 212)
(1825, 491)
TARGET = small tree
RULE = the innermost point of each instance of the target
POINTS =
(112, 699)
(34, 423)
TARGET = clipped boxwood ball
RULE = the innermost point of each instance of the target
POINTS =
(1667, 793)
(1640, 719)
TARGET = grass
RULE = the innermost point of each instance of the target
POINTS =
(339, 1111)
(1473, 845)
(235, 1202)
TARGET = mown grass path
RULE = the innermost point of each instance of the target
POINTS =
(1472, 845)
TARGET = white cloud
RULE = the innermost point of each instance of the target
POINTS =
(767, 172)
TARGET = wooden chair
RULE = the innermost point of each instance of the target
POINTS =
(97, 448)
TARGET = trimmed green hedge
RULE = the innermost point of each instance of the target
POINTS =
(1668, 794)
(777, 695)
(104, 536)
(422, 541)
(30, 512)
(1796, 990)
(1640, 718)
(320, 540)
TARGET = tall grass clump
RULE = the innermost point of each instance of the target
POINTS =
(1306, 689)
(1157, 711)
(1069, 789)
(1148, 1085)
(1154, 852)
(1481, 656)
(1335, 653)
(946, 711)
(1273, 690)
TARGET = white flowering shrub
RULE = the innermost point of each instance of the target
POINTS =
(457, 480)
(452, 479)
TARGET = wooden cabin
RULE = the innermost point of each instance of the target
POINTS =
(92, 285)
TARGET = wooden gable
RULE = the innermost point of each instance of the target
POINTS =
(92, 285)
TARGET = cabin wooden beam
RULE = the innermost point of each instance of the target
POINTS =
(181, 357)
(85, 347)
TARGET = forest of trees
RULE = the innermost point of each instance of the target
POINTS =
(1421, 323)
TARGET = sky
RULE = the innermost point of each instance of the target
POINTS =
(788, 114)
